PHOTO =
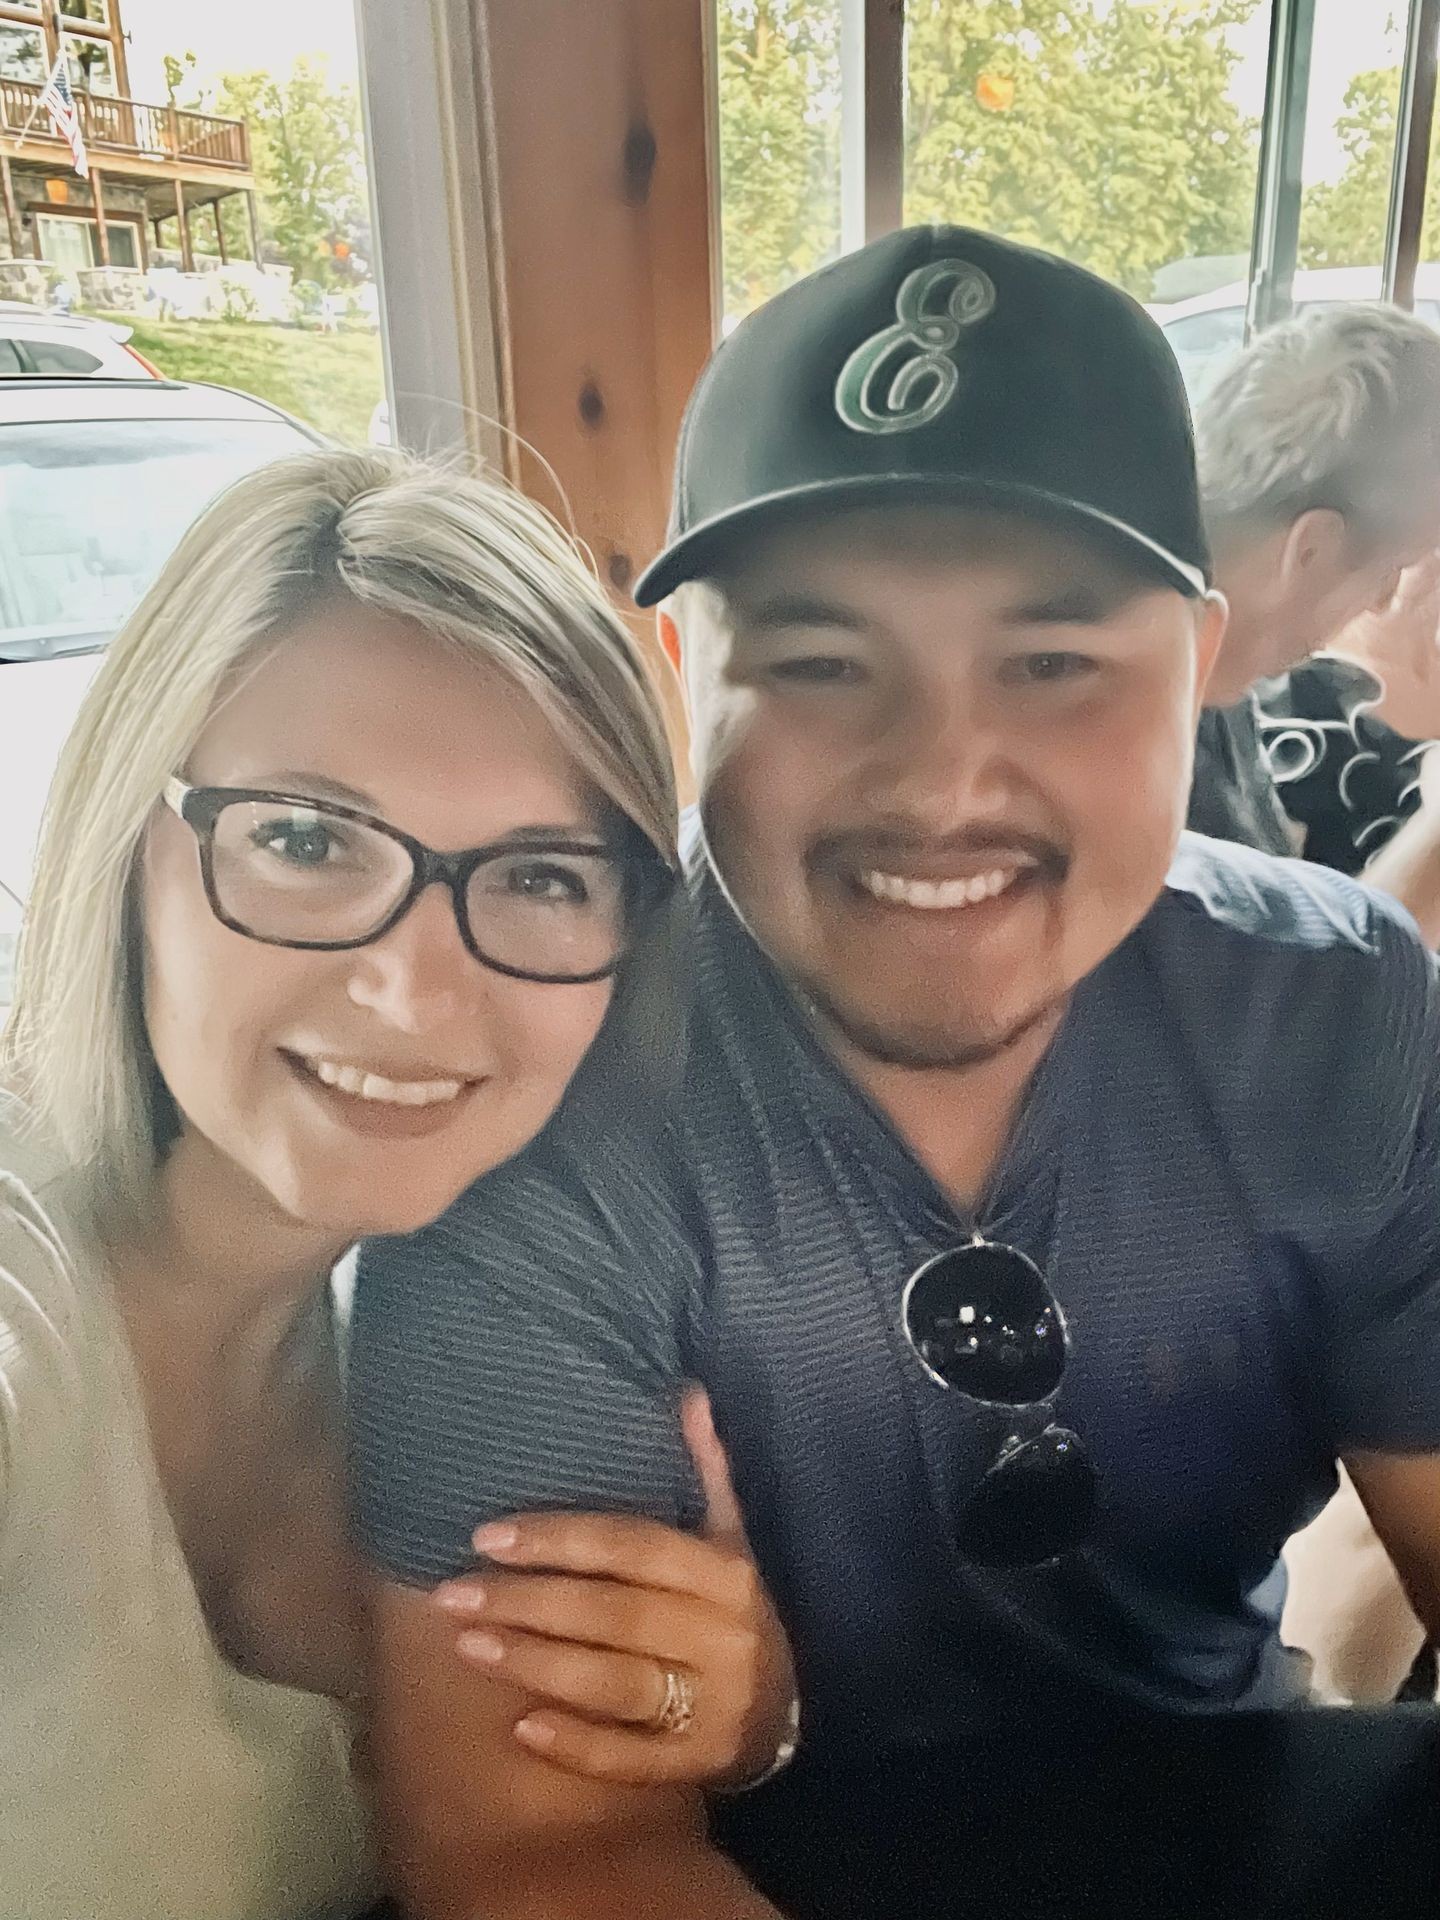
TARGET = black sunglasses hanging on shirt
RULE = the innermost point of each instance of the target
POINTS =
(982, 1320)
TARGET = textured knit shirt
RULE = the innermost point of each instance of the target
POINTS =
(1227, 1169)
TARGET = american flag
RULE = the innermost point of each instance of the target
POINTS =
(59, 103)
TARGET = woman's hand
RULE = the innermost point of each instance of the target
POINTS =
(605, 1605)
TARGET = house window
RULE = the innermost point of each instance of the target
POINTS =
(22, 54)
(19, 6)
(95, 13)
(92, 65)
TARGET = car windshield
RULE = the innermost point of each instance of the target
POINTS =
(90, 509)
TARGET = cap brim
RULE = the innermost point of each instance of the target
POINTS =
(697, 552)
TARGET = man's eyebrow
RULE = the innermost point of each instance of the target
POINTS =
(1075, 605)
(777, 611)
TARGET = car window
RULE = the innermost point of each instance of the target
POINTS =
(89, 510)
(50, 356)
(1217, 332)
(10, 361)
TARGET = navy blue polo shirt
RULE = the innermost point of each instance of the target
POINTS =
(1229, 1170)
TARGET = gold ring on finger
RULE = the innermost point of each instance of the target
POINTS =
(677, 1709)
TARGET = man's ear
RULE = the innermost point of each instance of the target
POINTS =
(1316, 550)
(1211, 619)
(669, 640)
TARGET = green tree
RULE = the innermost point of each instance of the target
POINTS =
(1342, 222)
(1110, 135)
(1106, 133)
(309, 161)
(779, 84)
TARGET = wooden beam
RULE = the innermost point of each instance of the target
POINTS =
(187, 256)
(884, 67)
(102, 230)
(219, 233)
(12, 212)
(252, 214)
(594, 165)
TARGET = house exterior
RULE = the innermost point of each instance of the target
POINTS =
(151, 163)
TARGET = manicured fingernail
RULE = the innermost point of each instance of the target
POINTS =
(495, 1538)
(481, 1646)
(460, 1599)
(535, 1733)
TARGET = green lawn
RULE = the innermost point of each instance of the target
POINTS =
(330, 379)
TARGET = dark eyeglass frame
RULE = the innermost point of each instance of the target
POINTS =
(648, 875)
(1016, 1454)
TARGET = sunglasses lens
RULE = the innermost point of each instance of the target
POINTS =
(1034, 1504)
(983, 1319)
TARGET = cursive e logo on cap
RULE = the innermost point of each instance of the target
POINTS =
(905, 375)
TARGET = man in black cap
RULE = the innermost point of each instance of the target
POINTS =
(994, 1209)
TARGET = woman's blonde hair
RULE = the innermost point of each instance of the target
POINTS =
(468, 559)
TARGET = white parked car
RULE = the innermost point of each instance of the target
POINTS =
(1206, 331)
(35, 342)
(98, 480)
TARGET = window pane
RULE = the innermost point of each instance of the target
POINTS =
(1350, 140)
(92, 65)
(779, 106)
(1120, 134)
(89, 511)
(95, 12)
(10, 361)
(22, 53)
(49, 356)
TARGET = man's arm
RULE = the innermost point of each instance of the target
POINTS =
(473, 1827)
(1401, 1494)
(1407, 867)
(525, 1354)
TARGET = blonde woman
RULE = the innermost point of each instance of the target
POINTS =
(368, 810)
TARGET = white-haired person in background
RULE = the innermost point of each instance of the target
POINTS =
(1319, 458)
(366, 822)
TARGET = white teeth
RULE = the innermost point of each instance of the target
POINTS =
(939, 895)
(374, 1086)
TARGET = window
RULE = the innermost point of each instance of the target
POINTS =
(89, 511)
(22, 54)
(49, 356)
(778, 66)
(92, 65)
(94, 13)
(10, 361)
(1120, 135)
(1350, 128)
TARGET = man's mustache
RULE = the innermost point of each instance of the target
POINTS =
(882, 847)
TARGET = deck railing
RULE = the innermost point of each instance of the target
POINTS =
(112, 125)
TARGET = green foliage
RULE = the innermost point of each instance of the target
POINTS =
(309, 158)
(1121, 147)
(1342, 222)
(330, 380)
(779, 80)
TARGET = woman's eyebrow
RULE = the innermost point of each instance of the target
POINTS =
(319, 785)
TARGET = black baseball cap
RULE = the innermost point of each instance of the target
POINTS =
(940, 362)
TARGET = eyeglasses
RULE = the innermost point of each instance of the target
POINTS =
(286, 871)
(982, 1320)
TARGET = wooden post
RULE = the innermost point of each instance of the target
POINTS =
(12, 212)
(253, 215)
(142, 242)
(187, 256)
(97, 187)
(220, 233)
(594, 159)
